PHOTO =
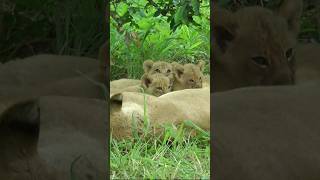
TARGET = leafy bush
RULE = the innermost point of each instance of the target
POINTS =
(138, 32)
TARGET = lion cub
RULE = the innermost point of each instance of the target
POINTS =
(255, 46)
(156, 84)
(188, 76)
(152, 84)
(158, 67)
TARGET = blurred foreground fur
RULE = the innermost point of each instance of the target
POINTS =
(265, 132)
(52, 119)
(255, 46)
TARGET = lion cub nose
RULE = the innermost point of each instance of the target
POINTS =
(284, 78)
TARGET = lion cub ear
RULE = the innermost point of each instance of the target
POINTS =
(146, 80)
(147, 65)
(201, 65)
(291, 10)
(178, 69)
(224, 28)
(117, 97)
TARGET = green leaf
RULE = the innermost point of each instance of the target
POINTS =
(195, 6)
(180, 14)
(122, 9)
(142, 3)
(197, 19)
(150, 11)
(196, 45)
(145, 23)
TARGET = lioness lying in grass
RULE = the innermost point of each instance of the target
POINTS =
(174, 107)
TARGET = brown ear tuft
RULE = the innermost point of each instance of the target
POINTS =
(147, 65)
(146, 81)
(291, 10)
(201, 65)
(224, 28)
(117, 97)
(174, 64)
(178, 70)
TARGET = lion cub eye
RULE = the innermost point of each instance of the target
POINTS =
(260, 61)
(157, 70)
(168, 71)
(159, 88)
(191, 80)
(289, 54)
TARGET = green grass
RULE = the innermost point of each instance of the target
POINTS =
(173, 154)
(188, 159)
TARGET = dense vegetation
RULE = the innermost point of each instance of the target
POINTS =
(157, 30)
(169, 31)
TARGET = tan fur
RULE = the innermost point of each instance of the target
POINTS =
(165, 68)
(243, 37)
(124, 83)
(308, 63)
(76, 87)
(134, 88)
(44, 69)
(206, 81)
(19, 131)
(156, 84)
(188, 76)
(65, 134)
(51, 75)
(71, 127)
(67, 128)
(267, 132)
(173, 107)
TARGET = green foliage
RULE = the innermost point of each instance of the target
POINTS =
(73, 27)
(140, 32)
(177, 11)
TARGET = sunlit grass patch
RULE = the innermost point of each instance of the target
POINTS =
(175, 153)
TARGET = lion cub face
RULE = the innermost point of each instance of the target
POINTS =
(161, 67)
(255, 46)
(156, 84)
(188, 76)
